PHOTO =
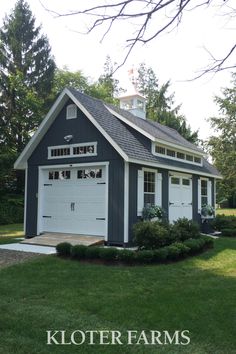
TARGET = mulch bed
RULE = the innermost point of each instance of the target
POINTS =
(9, 257)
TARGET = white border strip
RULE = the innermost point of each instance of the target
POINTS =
(126, 202)
(25, 201)
(169, 167)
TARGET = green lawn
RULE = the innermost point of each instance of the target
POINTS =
(226, 211)
(13, 230)
(197, 294)
(10, 233)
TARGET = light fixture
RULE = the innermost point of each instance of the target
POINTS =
(68, 138)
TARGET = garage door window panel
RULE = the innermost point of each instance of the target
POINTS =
(59, 175)
(89, 173)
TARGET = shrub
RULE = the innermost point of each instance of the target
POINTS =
(126, 256)
(184, 249)
(208, 241)
(92, 252)
(145, 256)
(229, 232)
(185, 229)
(11, 209)
(63, 249)
(173, 252)
(160, 255)
(79, 251)
(150, 235)
(224, 222)
(108, 254)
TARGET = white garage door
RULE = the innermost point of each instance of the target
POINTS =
(180, 197)
(74, 200)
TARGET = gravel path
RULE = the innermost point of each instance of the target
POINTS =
(8, 257)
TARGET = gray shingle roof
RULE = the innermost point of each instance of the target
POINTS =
(157, 130)
(128, 140)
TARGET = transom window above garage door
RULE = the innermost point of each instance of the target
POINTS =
(60, 175)
(89, 173)
(73, 150)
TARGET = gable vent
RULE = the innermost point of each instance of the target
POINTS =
(71, 111)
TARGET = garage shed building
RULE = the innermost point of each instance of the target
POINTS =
(91, 168)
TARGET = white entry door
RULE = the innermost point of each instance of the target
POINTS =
(74, 200)
(180, 197)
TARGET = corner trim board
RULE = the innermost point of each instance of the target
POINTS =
(126, 202)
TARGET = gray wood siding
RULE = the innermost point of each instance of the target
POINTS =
(83, 131)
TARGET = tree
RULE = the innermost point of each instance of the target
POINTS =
(159, 105)
(151, 19)
(26, 75)
(65, 78)
(107, 87)
(223, 145)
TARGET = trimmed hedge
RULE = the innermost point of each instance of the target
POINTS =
(226, 224)
(64, 249)
(173, 252)
(78, 251)
(230, 232)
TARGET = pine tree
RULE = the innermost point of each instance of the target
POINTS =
(26, 74)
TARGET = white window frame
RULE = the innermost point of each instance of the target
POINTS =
(209, 192)
(69, 109)
(140, 189)
(50, 148)
(155, 184)
(185, 152)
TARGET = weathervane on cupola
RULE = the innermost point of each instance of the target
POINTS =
(133, 101)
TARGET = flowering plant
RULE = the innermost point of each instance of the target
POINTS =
(153, 211)
(207, 210)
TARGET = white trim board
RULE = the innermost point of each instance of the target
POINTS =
(49, 119)
(126, 202)
(169, 167)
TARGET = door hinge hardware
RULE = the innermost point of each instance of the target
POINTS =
(100, 219)
(47, 184)
(101, 182)
(72, 206)
(46, 216)
(171, 203)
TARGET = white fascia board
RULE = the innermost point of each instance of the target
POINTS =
(172, 168)
(21, 162)
(131, 124)
(179, 147)
(48, 120)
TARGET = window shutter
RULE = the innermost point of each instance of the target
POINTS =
(140, 195)
(199, 196)
(158, 197)
(209, 192)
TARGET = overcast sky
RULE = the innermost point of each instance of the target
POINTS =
(176, 56)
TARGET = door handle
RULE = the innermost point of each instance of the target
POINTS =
(171, 203)
(72, 206)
